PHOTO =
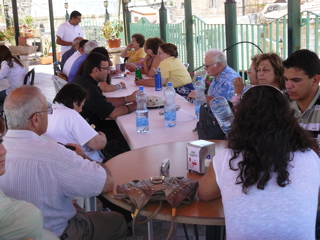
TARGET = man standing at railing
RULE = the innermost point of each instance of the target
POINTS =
(68, 31)
(302, 76)
(222, 84)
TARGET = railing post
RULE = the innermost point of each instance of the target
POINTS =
(163, 22)
(231, 32)
(127, 21)
(294, 29)
(189, 33)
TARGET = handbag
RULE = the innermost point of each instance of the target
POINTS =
(174, 190)
(208, 126)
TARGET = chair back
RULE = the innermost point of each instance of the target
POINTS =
(29, 78)
(203, 74)
(58, 82)
(57, 67)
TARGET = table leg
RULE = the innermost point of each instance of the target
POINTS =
(215, 232)
(150, 230)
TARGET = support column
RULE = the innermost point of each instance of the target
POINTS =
(163, 22)
(53, 37)
(189, 33)
(231, 32)
(15, 20)
(294, 29)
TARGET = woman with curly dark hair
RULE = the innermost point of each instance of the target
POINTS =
(268, 176)
(151, 61)
(12, 69)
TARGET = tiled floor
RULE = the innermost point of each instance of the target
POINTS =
(160, 229)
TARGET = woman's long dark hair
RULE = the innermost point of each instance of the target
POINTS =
(71, 93)
(6, 55)
(266, 133)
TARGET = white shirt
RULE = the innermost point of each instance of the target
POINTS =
(66, 125)
(48, 175)
(14, 75)
(286, 213)
(67, 66)
(68, 32)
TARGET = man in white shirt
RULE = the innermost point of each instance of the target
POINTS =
(49, 175)
(68, 31)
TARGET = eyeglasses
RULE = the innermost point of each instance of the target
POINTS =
(49, 111)
(106, 68)
(207, 66)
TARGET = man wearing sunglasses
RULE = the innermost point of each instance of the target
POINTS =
(215, 63)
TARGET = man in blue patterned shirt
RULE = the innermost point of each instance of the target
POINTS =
(222, 84)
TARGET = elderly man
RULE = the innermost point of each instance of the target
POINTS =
(68, 31)
(302, 76)
(71, 51)
(75, 66)
(67, 66)
(49, 175)
(222, 84)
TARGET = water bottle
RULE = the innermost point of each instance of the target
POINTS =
(138, 72)
(222, 111)
(142, 118)
(170, 106)
(199, 87)
(157, 80)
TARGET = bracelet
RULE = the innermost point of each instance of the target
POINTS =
(237, 94)
(125, 99)
(119, 86)
(128, 108)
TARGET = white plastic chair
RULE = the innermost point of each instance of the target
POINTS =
(203, 74)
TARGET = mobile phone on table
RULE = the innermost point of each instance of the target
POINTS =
(68, 146)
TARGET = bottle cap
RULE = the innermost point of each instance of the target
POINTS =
(169, 84)
(199, 78)
(141, 88)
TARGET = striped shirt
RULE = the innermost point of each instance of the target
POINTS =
(48, 175)
(309, 119)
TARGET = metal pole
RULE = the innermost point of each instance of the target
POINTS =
(128, 21)
(66, 5)
(231, 32)
(53, 40)
(15, 20)
(107, 17)
(163, 22)
(7, 19)
(189, 33)
(294, 30)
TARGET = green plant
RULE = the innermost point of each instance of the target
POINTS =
(2, 35)
(47, 44)
(112, 29)
(9, 36)
(27, 21)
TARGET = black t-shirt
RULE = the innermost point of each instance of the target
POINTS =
(96, 107)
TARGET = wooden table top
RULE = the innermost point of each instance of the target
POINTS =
(144, 162)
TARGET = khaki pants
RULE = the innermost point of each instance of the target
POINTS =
(95, 226)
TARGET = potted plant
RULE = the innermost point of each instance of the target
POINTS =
(2, 36)
(111, 31)
(27, 26)
(45, 58)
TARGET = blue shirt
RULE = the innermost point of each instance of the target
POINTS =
(223, 86)
(75, 67)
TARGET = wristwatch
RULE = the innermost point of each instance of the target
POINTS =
(237, 94)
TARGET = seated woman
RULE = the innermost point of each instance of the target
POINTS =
(66, 125)
(270, 70)
(172, 70)
(12, 69)
(268, 177)
(134, 52)
(151, 61)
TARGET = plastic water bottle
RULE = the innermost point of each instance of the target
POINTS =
(199, 87)
(138, 72)
(170, 106)
(222, 111)
(142, 118)
(157, 80)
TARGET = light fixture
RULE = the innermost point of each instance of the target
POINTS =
(105, 3)
(6, 8)
(66, 5)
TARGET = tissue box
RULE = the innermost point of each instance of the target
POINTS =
(199, 155)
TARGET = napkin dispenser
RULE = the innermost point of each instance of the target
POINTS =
(199, 155)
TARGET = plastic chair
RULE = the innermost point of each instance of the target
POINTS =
(203, 74)
(29, 78)
(58, 82)
(57, 67)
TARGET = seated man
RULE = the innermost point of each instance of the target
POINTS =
(67, 66)
(71, 51)
(222, 84)
(302, 76)
(75, 66)
(49, 175)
